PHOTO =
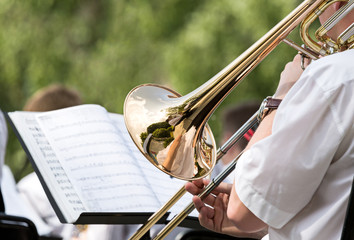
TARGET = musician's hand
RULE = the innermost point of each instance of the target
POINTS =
(195, 187)
(290, 75)
(212, 210)
(213, 216)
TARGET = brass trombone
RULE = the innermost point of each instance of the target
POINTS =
(171, 130)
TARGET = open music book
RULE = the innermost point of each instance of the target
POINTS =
(90, 168)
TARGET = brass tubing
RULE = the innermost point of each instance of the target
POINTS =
(347, 36)
(301, 49)
(333, 20)
(305, 25)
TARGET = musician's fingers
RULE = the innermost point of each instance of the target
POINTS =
(205, 181)
(198, 203)
(206, 214)
(219, 212)
(204, 218)
(201, 182)
(210, 199)
(193, 188)
(223, 188)
(225, 200)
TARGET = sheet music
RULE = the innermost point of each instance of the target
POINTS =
(107, 172)
(48, 163)
(94, 155)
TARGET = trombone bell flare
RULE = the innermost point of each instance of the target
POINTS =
(168, 132)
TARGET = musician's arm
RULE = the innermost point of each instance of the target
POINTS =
(237, 212)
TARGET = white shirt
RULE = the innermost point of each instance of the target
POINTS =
(16, 205)
(298, 180)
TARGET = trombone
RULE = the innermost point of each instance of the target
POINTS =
(171, 130)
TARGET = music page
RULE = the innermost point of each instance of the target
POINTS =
(48, 164)
(94, 155)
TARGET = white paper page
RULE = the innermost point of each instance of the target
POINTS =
(48, 164)
(161, 183)
(95, 158)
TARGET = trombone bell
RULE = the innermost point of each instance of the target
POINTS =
(168, 131)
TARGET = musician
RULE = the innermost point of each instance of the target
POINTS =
(295, 177)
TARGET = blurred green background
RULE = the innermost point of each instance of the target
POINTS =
(104, 48)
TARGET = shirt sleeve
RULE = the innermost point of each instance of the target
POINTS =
(278, 175)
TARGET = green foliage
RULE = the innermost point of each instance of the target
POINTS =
(155, 126)
(143, 136)
(161, 133)
(105, 48)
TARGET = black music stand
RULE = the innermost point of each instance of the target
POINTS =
(17, 228)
